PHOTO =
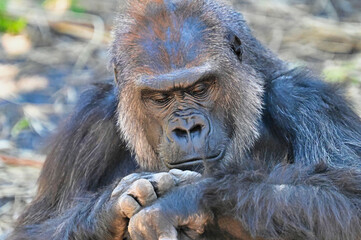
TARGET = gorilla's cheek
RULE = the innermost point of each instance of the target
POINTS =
(153, 132)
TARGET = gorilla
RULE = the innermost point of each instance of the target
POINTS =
(205, 134)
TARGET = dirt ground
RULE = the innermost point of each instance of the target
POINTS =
(63, 51)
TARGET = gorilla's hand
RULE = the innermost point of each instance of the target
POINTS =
(138, 190)
(177, 215)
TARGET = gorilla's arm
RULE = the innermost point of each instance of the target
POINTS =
(91, 217)
(314, 120)
(316, 195)
(291, 202)
(87, 155)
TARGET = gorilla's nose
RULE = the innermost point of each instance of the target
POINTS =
(189, 132)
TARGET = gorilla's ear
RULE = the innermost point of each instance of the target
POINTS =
(236, 44)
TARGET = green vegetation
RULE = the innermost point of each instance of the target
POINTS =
(20, 126)
(3, 5)
(340, 73)
(10, 24)
(74, 6)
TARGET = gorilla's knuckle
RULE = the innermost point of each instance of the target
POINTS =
(163, 177)
(125, 184)
(185, 177)
(149, 215)
(163, 182)
(142, 184)
(143, 191)
(176, 172)
(192, 175)
(152, 212)
(130, 178)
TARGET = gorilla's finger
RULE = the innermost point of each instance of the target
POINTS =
(165, 227)
(131, 177)
(167, 232)
(125, 183)
(136, 235)
(128, 206)
(162, 182)
(143, 191)
(151, 224)
(167, 238)
(185, 177)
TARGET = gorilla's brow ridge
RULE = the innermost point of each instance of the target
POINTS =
(183, 78)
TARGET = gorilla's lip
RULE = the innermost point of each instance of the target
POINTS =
(196, 161)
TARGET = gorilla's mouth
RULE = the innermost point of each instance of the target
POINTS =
(189, 163)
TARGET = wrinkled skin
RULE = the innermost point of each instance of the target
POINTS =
(138, 190)
(171, 217)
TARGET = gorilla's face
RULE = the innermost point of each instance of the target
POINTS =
(185, 95)
(184, 126)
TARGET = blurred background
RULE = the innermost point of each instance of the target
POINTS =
(51, 50)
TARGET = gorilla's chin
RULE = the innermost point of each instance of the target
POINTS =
(196, 163)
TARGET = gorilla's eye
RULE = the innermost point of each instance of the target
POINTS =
(160, 98)
(199, 90)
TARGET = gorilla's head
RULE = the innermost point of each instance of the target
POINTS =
(185, 94)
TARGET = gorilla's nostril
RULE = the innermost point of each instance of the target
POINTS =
(197, 129)
(180, 133)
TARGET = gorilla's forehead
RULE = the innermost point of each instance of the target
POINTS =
(168, 35)
(175, 46)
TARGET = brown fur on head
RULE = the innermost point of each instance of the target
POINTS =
(148, 41)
